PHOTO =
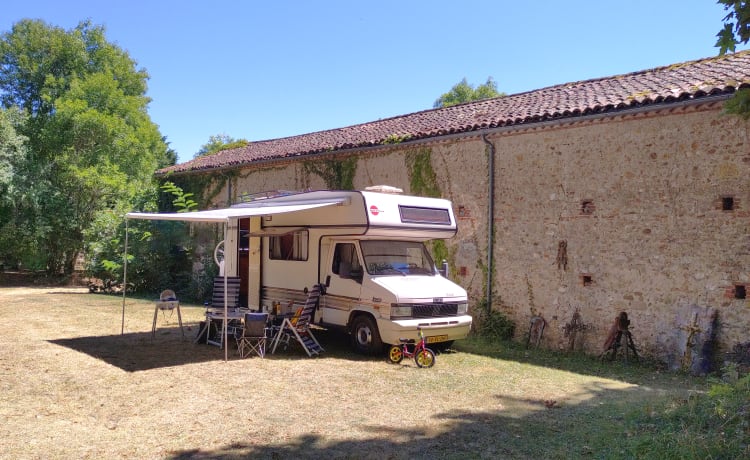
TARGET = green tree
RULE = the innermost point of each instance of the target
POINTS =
(736, 26)
(736, 31)
(14, 242)
(12, 152)
(219, 142)
(464, 92)
(92, 145)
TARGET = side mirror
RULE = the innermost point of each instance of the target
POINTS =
(443, 270)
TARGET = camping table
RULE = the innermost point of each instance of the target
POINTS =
(218, 316)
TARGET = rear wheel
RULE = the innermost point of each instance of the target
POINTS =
(425, 358)
(395, 354)
(365, 336)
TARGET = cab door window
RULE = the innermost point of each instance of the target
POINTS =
(346, 262)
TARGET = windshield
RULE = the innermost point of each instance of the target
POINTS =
(396, 258)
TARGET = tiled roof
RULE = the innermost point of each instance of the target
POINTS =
(689, 80)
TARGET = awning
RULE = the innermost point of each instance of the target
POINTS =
(222, 215)
(259, 208)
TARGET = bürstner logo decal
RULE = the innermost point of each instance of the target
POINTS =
(374, 210)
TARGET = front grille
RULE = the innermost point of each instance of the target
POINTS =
(432, 310)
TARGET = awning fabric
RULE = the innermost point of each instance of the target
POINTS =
(222, 215)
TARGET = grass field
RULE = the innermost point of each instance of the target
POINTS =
(73, 387)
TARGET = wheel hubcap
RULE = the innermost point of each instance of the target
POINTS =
(364, 336)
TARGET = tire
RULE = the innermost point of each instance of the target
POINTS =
(425, 358)
(365, 336)
(395, 354)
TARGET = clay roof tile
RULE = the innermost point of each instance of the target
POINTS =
(682, 81)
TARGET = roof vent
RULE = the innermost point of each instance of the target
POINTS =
(384, 189)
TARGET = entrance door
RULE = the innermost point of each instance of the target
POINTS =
(243, 258)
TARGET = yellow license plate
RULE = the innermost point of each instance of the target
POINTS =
(437, 338)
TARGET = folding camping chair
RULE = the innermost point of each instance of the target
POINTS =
(299, 326)
(212, 328)
(252, 337)
(281, 335)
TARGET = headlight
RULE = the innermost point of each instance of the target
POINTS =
(463, 308)
(400, 311)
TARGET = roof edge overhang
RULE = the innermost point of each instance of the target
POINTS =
(563, 120)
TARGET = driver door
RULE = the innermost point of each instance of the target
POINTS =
(345, 274)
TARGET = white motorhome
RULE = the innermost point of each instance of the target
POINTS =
(367, 249)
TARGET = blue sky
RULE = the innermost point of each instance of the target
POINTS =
(269, 69)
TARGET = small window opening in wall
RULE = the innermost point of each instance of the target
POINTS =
(727, 203)
(587, 207)
(587, 280)
(739, 291)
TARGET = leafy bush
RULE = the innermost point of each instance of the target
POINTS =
(494, 324)
(160, 253)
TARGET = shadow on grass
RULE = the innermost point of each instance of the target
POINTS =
(136, 352)
(631, 371)
(568, 432)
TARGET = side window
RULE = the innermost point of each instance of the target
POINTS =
(292, 246)
(346, 262)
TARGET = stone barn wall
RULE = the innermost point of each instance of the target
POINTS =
(636, 202)
(597, 215)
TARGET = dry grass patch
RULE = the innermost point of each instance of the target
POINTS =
(73, 387)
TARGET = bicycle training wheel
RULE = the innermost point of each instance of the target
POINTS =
(425, 358)
(395, 354)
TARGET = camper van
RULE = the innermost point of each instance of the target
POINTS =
(367, 250)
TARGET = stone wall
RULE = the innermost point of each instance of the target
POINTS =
(600, 216)
(638, 203)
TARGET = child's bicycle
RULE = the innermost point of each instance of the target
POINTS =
(423, 356)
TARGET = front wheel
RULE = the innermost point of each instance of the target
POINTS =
(395, 354)
(365, 336)
(425, 358)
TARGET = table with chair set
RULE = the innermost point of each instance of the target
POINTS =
(256, 331)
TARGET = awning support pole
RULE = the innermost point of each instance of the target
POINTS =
(124, 278)
(226, 308)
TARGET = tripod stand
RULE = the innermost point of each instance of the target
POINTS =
(620, 328)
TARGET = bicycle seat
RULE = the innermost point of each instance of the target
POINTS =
(402, 340)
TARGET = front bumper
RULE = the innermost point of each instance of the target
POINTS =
(439, 329)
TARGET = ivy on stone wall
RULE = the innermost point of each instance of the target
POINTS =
(440, 251)
(423, 182)
(204, 187)
(422, 177)
(338, 174)
(483, 305)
